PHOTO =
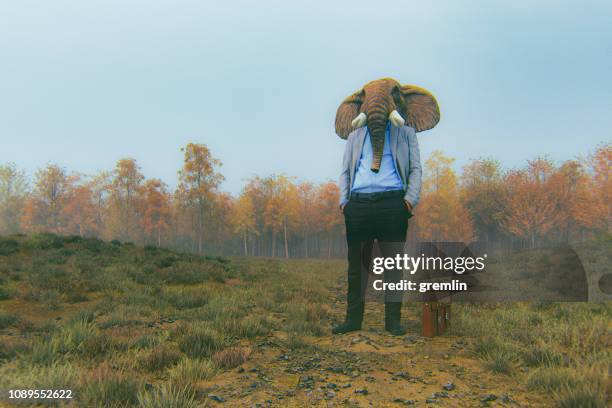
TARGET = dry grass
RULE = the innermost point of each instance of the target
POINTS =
(231, 357)
(150, 324)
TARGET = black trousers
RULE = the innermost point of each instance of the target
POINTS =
(384, 221)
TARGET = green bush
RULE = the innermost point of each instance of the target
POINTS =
(8, 246)
(158, 358)
(200, 341)
(168, 396)
(52, 377)
(145, 341)
(190, 370)
(186, 298)
(107, 389)
(7, 319)
(44, 240)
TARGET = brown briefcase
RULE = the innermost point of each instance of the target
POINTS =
(436, 318)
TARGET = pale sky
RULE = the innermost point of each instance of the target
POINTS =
(85, 83)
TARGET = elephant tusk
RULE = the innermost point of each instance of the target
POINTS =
(359, 121)
(396, 119)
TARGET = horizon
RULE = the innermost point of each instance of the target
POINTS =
(172, 185)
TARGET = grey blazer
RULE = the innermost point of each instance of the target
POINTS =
(405, 152)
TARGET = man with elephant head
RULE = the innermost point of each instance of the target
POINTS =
(380, 181)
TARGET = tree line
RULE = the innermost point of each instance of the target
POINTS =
(539, 204)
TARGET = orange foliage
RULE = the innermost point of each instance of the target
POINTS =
(536, 204)
(441, 216)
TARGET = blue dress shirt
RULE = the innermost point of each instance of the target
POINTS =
(387, 178)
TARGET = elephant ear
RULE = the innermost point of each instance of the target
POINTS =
(421, 109)
(347, 111)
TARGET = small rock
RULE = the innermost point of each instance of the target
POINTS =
(347, 385)
(441, 394)
(488, 398)
(216, 398)
(331, 386)
(449, 386)
(330, 395)
(306, 382)
(404, 401)
(506, 399)
(431, 401)
(362, 391)
(370, 379)
(241, 369)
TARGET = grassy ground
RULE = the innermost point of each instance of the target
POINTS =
(127, 326)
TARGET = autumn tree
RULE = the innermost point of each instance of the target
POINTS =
(44, 207)
(156, 212)
(79, 210)
(307, 213)
(199, 181)
(125, 194)
(482, 191)
(99, 186)
(570, 184)
(221, 222)
(532, 204)
(441, 216)
(281, 208)
(594, 206)
(327, 198)
(13, 191)
(243, 218)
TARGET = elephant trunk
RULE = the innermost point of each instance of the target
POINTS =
(377, 114)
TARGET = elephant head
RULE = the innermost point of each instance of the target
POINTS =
(385, 100)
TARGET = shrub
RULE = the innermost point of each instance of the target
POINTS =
(231, 357)
(159, 358)
(53, 377)
(83, 316)
(51, 299)
(145, 341)
(105, 388)
(8, 246)
(186, 298)
(65, 340)
(305, 318)
(166, 261)
(7, 319)
(295, 341)
(44, 241)
(200, 341)
(536, 357)
(9, 348)
(190, 370)
(500, 361)
(76, 296)
(248, 327)
(96, 345)
(168, 396)
(581, 397)
(551, 379)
